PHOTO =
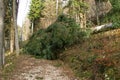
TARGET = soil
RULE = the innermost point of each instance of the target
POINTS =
(30, 68)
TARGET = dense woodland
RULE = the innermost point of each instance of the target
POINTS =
(82, 34)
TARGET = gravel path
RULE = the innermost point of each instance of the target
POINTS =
(37, 69)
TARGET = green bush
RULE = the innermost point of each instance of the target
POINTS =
(48, 43)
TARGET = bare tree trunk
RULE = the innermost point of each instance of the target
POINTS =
(81, 20)
(32, 28)
(15, 26)
(102, 27)
(12, 38)
(1, 33)
(57, 1)
(96, 12)
(84, 20)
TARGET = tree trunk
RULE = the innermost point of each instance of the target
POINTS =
(81, 20)
(57, 7)
(32, 27)
(96, 12)
(1, 33)
(82, 17)
(101, 27)
(12, 38)
(15, 26)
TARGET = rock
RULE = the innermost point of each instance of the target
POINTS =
(102, 7)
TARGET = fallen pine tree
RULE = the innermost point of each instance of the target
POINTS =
(102, 28)
(98, 28)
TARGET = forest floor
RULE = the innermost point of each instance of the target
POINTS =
(26, 67)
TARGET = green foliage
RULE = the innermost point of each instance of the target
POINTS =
(116, 5)
(101, 0)
(113, 15)
(36, 8)
(48, 43)
(77, 7)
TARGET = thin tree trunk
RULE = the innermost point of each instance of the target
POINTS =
(84, 20)
(57, 1)
(1, 33)
(15, 26)
(96, 12)
(81, 20)
(12, 38)
(32, 28)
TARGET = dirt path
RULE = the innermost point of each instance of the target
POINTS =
(29, 68)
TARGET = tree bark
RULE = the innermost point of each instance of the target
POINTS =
(12, 38)
(81, 16)
(15, 26)
(1, 33)
(101, 27)
(57, 7)
(96, 12)
(82, 21)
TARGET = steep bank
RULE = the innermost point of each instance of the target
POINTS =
(97, 58)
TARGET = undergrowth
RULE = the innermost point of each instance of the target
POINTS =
(8, 67)
(97, 58)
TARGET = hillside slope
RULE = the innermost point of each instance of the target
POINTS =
(97, 58)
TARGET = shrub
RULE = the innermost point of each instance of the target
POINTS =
(89, 66)
(47, 43)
